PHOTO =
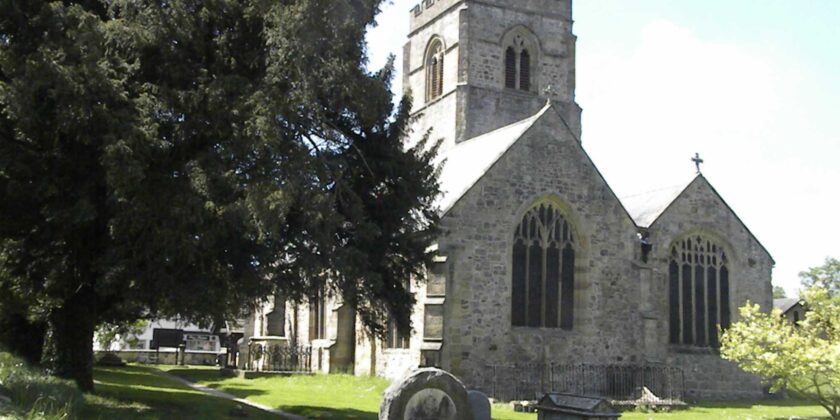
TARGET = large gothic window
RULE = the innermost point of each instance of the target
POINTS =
(543, 270)
(698, 277)
(434, 70)
(519, 54)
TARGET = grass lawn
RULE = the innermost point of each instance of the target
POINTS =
(134, 392)
(349, 397)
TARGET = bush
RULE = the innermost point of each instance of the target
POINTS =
(34, 394)
(110, 359)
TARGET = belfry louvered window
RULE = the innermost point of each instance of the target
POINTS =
(517, 65)
(698, 277)
(434, 70)
(543, 270)
(524, 70)
(510, 68)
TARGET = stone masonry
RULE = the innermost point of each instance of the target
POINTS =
(507, 150)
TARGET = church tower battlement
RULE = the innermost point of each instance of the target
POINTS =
(477, 65)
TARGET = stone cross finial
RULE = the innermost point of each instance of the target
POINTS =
(697, 161)
(549, 92)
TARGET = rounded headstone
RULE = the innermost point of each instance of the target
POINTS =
(479, 404)
(426, 394)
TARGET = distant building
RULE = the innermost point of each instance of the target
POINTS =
(202, 347)
(793, 309)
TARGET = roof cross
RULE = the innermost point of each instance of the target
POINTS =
(697, 161)
(550, 91)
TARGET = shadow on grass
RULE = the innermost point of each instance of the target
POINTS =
(132, 393)
(198, 375)
(329, 413)
(135, 376)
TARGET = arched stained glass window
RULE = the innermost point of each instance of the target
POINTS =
(698, 283)
(543, 270)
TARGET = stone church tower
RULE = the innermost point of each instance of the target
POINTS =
(545, 279)
(475, 66)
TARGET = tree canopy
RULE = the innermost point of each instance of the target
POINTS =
(804, 357)
(187, 158)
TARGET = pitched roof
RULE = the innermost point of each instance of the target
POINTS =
(468, 161)
(785, 304)
(646, 207)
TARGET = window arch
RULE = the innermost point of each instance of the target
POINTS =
(543, 270)
(698, 283)
(520, 48)
(434, 69)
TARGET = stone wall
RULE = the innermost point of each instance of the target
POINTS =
(440, 113)
(474, 99)
(708, 377)
(699, 210)
(547, 162)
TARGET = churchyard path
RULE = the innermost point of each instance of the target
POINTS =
(224, 395)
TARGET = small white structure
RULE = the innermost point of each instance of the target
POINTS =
(201, 346)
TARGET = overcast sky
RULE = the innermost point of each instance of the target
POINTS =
(752, 85)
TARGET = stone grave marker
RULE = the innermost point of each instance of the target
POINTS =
(426, 394)
(479, 404)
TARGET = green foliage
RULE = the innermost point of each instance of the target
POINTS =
(804, 357)
(779, 292)
(107, 334)
(189, 158)
(34, 394)
(826, 276)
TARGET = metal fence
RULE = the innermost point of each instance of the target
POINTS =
(279, 358)
(616, 382)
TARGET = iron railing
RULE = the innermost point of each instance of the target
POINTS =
(615, 382)
(279, 358)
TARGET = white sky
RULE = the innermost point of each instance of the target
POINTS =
(752, 85)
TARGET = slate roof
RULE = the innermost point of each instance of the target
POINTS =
(646, 207)
(785, 304)
(468, 161)
(464, 164)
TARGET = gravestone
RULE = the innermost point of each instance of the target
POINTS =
(479, 404)
(560, 406)
(426, 394)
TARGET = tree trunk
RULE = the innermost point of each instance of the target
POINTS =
(68, 343)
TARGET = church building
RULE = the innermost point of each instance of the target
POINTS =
(540, 263)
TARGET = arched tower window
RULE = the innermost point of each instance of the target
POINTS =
(520, 51)
(434, 70)
(510, 68)
(543, 270)
(698, 283)
(524, 70)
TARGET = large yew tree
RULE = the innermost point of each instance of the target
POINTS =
(163, 158)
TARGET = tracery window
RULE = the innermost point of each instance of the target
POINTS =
(543, 270)
(519, 49)
(698, 277)
(434, 70)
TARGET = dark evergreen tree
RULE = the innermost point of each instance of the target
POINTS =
(190, 157)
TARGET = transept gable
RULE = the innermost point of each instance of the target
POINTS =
(470, 161)
(699, 186)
